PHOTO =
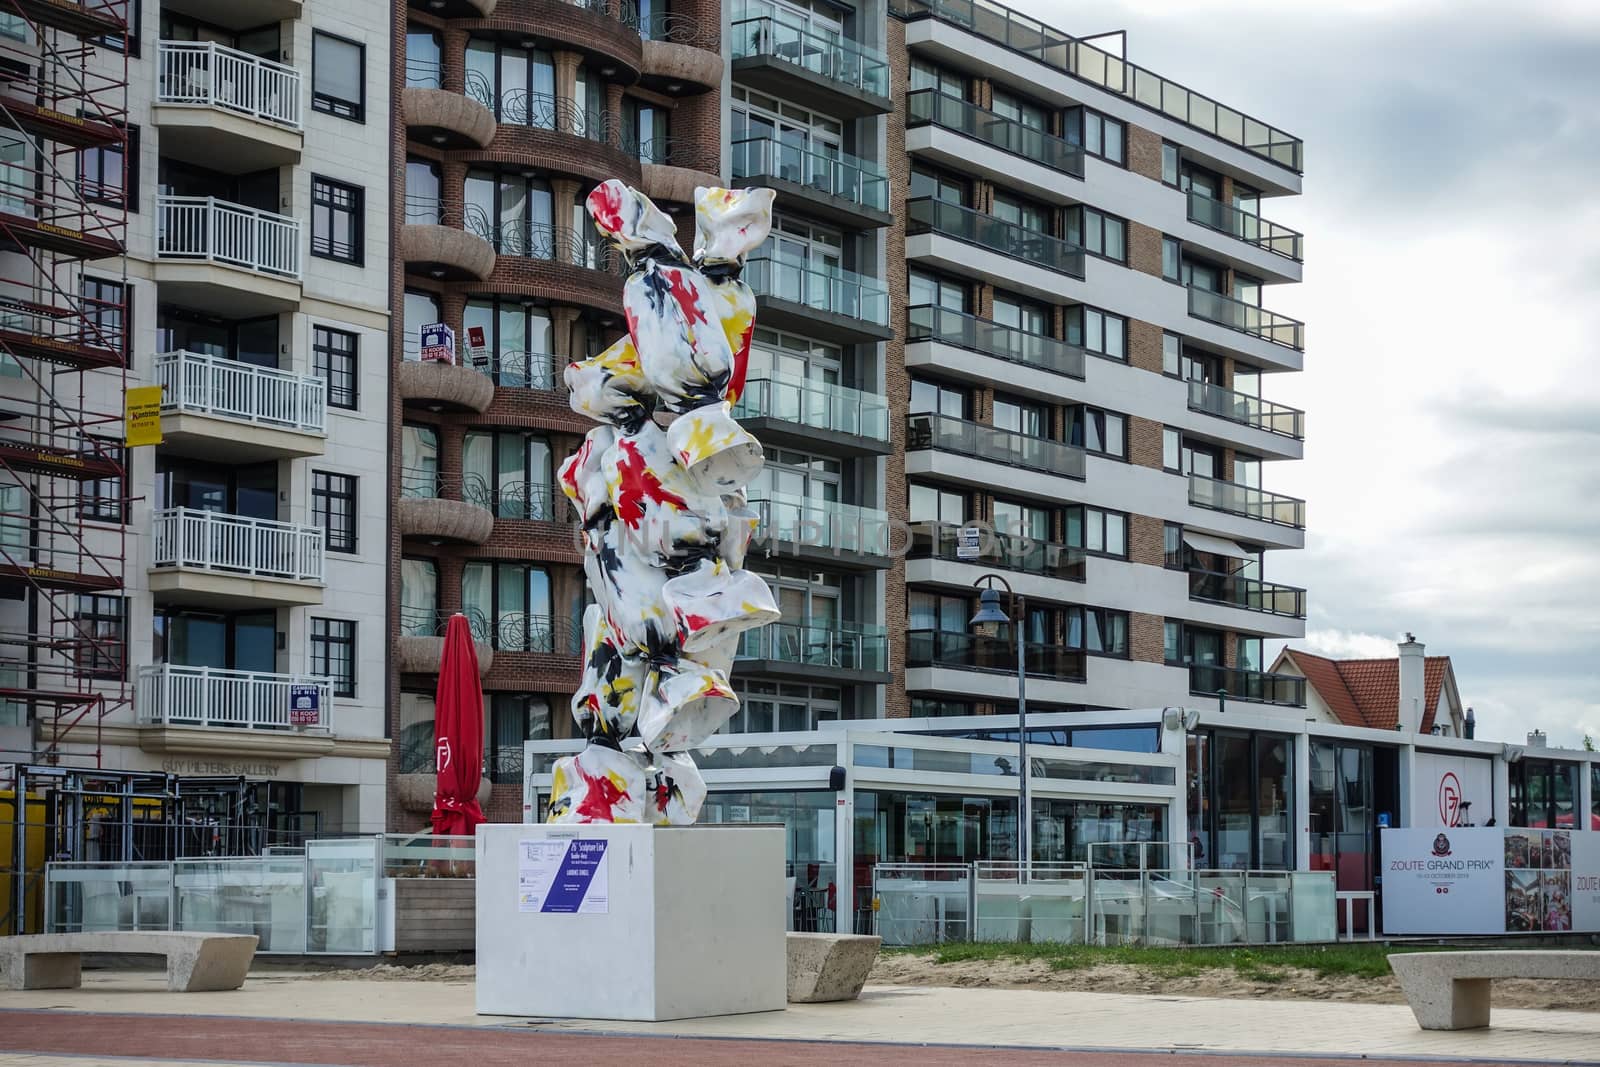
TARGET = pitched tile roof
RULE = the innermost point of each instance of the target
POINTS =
(1366, 692)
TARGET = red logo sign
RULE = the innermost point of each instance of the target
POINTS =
(1450, 799)
(441, 760)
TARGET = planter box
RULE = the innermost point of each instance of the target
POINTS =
(434, 914)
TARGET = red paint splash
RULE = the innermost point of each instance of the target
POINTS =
(663, 793)
(686, 294)
(741, 362)
(605, 205)
(600, 797)
(637, 484)
(695, 623)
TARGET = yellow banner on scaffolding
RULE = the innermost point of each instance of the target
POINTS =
(142, 415)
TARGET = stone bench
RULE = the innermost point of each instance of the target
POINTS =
(196, 962)
(828, 967)
(1450, 990)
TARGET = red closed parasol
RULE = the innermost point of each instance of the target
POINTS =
(458, 733)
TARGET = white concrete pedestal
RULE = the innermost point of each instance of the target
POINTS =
(691, 923)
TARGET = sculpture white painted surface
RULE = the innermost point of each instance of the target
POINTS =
(665, 520)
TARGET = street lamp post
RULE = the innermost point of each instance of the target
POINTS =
(989, 612)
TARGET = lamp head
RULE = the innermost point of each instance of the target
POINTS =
(989, 608)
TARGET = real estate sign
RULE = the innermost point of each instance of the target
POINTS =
(1490, 880)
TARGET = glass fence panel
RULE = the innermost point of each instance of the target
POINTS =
(429, 856)
(922, 904)
(264, 896)
(342, 875)
(1051, 906)
(88, 897)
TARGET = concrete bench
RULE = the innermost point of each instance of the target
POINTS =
(1450, 990)
(828, 967)
(196, 962)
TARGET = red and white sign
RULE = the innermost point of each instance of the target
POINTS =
(1452, 790)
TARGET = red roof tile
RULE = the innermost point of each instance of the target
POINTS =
(1366, 692)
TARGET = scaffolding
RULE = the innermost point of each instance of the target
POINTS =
(64, 185)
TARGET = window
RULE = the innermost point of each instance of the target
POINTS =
(101, 177)
(1027, 417)
(1098, 234)
(419, 600)
(939, 708)
(1171, 353)
(1094, 530)
(117, 42)
(1098, 631)
(1099, 135)
(1030, 215)
(514, 601)
(1172, 546)
(513, 719)
(931, 290)
(333, 653)
(1098, 331)
(520, 341)
(927, 75)
(101, 498)
(333, 507)
(1020, 313)
(933, 398)
(101, 648)
(423, 62)
(108, 307)
(1171, 449)
(931, 504)
(335, 220)
(1172, 641)
(333, 359)
(1099, 431)
(338, 76)
(930, 611)
(1171, 258)
(1169, 163)
(512, 468)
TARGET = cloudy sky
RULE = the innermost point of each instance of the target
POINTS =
(1452, 384)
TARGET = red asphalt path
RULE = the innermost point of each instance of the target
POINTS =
(281, 1041)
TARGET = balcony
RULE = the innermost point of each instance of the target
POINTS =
(926, 107)
(1247, 410)
(231, 259)
(1257, 687)
(443, 252)
(540, 371)
(956, 329)
(824, 530)
(437, 509)
(420, 642)
(1251, 594)
(1247, 318)
(238, 412)
(805, 411)
(837, 651)
(226, 109)
(823, 71)
(927, 215)
(215, 559)
(440, 386)
(829, 304)
(168, 694)
(442, 118)
(519, 631)
(998, 551)
(962, 651)
(680, 50)
(672, 168)
(835, 186)
(1247, 501)
(1253, 229)
(993, 445)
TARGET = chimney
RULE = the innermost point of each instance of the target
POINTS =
(1411, 711)
(1536, 739)
(1471, 725)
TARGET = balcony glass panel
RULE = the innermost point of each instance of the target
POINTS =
(818, 405)
(976, 652)
(1009, 552)
(929, 322)
(927, 215)
(838, 292)
(1224, 217)
(1013, 449)
(1246, 500)
(1247, 410)
(769, 31)
(953, 113)
(834, 174)
(840, 645)
(1257, 686)
(822, 524)
(1252, 594)
(1247, 318)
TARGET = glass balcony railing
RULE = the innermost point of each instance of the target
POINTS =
(1258, 687)
(832, 173)
(929, 322)
(1247, 410)
(1247, 318)
(977, 652)
(838, 292)
(840, 645)
(1008, 552)
(946, 434)
(930, 106)
(821, 524)
(1224, 217)
(1081, 60)
(1245, 500)
(764, 32)
(927, 215)
(818, 405)
(1251, 594)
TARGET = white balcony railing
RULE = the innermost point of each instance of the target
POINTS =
(206, 74)
(203, 227)
(210, 696)
(229, 389)
(213, 540)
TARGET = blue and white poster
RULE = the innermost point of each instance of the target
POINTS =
(563, 876)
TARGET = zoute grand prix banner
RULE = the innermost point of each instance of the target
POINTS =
(1489, 880)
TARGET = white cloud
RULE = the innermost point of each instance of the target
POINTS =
(1347, 644)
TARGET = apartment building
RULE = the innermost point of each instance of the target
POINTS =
(206, 613)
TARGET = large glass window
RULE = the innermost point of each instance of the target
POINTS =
(1027, 417)
(336, 216)
(1098, 631)
(415, 734)
(513, 719)
(1097, 530)
(1543, 794)
(1341, 820)
(936, 398)
(937, 291)
(1097, 331)
(767, 707)
(926, 74)
(333, 508)
(520, 341)
(420, 310)
(333, 653)
(419, 461)
(1104, 432)
(930, 503)
(1240, 800)
(1098, 234)
(514, 467)
(333, 359)
(338, 76)
(419, 597)
(512, 211)
(109, 174)
(514, 598)
(101, 650)
(1099, 135)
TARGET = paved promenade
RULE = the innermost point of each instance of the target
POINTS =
(128, 1019)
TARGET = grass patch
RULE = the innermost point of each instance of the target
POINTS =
(1258, 963)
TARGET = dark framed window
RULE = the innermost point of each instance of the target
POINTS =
(336, 220)
(1171, 449)
(333, 653)
(1099, 135)
(513, 719)
(1098, 631)
(1171, 258)
(1102, 432)
(936, 398)
(117, 42)
(938, 707)
(101, 178)
(1172, 641)
(338, 76)
(1104, 533)
(1098, 234)
(1169, 163)
(1098, 331)
(333, 359)
(1172, 546)
(333, 507)
(102, 625)
(1171, 354)
(101, 499)
(107, 312)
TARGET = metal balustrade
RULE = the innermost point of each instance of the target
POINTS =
(819, 405)
(1246, 500)
(424, 210)
(207, 74)
(825, 55)
(1225, 218)
(1247, 410)
(526, 370)
(930, 106)
(537, 239)
(520, 631)
(833, 174)
(679, 29)
(216, 541)
(1247, 318)
(169, 694)
(946, 434)
(427, 483)
(823, 524)
(432, 622)
(229, 389)
(1251, 594)
(929, 322)
(530, 502)
(836, 291)
(686, 152)
(205, 228)
(976, 652)
(929, 215)
(1003, 551)
(840, 645)
(1260, 687)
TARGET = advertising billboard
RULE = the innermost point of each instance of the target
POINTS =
(1452, 790)
(1488, 880)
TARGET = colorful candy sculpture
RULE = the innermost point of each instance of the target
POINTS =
(659, 489)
